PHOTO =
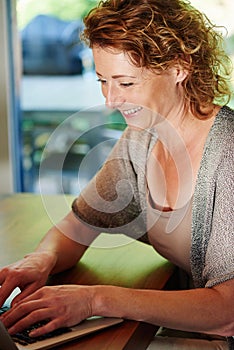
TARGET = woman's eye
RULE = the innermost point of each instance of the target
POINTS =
(102, 81)
(126, 84)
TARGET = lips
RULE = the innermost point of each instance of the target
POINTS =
(131, 112)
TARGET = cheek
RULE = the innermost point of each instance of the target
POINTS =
(137, 96)
(104, 90)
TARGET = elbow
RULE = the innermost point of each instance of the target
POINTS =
(227, 330)
(225, 319)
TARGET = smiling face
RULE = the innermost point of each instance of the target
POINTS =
(138, 93)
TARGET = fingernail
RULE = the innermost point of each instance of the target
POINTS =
(33, 334)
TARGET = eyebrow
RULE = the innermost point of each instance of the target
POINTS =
(118, 76)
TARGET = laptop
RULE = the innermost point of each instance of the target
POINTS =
(22, 341)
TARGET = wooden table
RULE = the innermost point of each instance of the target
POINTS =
(24, 219)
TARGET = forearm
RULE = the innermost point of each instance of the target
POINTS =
(65, 243)
(62, 252)
(200, 310)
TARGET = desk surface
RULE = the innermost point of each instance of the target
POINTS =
(24, 219)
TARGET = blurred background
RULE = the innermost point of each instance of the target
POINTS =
(59, 117)
(60, 92)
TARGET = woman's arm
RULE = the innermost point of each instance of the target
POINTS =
(60, 249)
(207, 310)
(66, 242)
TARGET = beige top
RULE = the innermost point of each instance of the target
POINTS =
(170, 234)
(115, 201)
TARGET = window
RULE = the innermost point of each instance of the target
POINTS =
(47, 99)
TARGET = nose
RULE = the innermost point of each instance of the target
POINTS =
(113, 96)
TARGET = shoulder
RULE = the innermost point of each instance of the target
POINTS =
(134, 146)
(137, 139)
(223, 128)
(220, 141)
(144, 136)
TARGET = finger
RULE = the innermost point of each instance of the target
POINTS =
(30, 295)
(20, 311)
(47, 328)
(3, 274)
(26, 292)
(8, 274)
(29, 320)
(6, 289)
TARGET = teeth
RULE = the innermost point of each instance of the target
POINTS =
(133, 110)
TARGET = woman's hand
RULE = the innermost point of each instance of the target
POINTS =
(62, 306)
(28, 274)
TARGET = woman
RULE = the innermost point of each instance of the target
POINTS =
(168, 181)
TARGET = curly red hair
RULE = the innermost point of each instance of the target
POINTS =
(157, 35)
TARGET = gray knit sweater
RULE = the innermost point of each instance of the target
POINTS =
(115, 200)
(212, 253)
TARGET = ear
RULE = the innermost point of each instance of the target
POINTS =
(180, 74)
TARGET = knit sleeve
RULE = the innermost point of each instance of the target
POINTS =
(219, 259)
(111, 201)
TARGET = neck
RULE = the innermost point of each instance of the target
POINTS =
(182, 124)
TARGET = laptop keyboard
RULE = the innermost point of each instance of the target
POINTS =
(3, 309)
(23, 337)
